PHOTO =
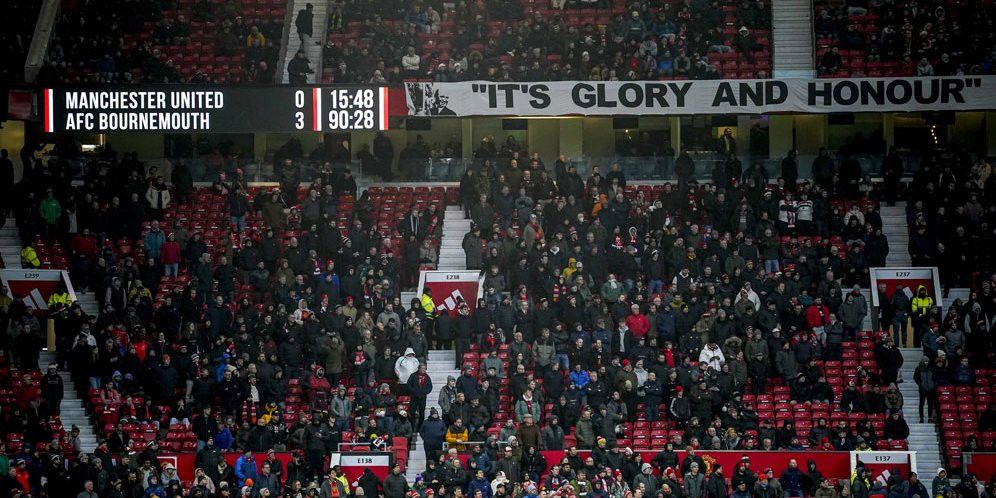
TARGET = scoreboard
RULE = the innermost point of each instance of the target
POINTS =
(190, 109)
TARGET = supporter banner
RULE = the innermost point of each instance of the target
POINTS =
(448, 286)
(885, 464)
(353, 464)
(34, 287)
(560, 98)
(981, 465)
(833, 464)
(907, 280)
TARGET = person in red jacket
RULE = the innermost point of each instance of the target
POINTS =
(169, 255)
(637, 323)
(817, 317)
(84, 244)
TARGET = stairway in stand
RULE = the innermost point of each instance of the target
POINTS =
(924, 439)
(10, 244)
(792, 38)
(440, 366)
(313, 46)
(72, 411)
(455, 226)
(895, 228)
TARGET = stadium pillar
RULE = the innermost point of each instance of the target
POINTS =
(991, 133)
(888, 130)
(780, 141)
(743, 135)
(467, 138)
(571, 133)
(675, 126)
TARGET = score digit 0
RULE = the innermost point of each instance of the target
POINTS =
(299, 115)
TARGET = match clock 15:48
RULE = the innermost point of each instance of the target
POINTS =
(350, 108)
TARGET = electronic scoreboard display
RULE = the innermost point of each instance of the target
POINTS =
(193, 109)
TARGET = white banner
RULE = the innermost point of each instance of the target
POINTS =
(589, 98)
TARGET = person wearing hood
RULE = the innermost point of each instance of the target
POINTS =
(406, 365)
(154, 488)
(920, 306)
(941, 483)
(168, 475)
(813, 479)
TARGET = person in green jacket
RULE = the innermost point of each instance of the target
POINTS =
(941, 483)
(50, 211)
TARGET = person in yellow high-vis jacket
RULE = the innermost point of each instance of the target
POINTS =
(29, 257)
(921, 306)
(428, 305)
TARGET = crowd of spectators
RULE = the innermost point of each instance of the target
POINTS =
(514, 41)
(605, 304)
(932, 38)
(157, 41)
(15, 39)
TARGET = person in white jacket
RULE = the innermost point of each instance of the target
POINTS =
(746, 292)
(712, 356)
(406, 365)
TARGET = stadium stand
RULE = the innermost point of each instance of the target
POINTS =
(317, 265)
(876, 39)
(16, 38)
(546, 40)
(146, 41)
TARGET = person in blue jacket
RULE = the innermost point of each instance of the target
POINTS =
(154, 488)
(245, 468)
(433, 432)
(480, 483)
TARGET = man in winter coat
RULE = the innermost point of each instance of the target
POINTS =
(266, 480)
(480, 483)
(791, 479)
(851, 314)
(433, 431)
(395, 485)
(924, 378)
(245, 468)
(647, 478)
(419, 386)
(716, 484)
(694, 483)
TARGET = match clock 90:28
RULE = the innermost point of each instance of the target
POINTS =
(344, 108)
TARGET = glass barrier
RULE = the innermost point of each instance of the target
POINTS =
(655, 168)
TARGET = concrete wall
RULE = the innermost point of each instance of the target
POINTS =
(12, 139)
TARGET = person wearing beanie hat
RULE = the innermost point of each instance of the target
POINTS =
(651, 484)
